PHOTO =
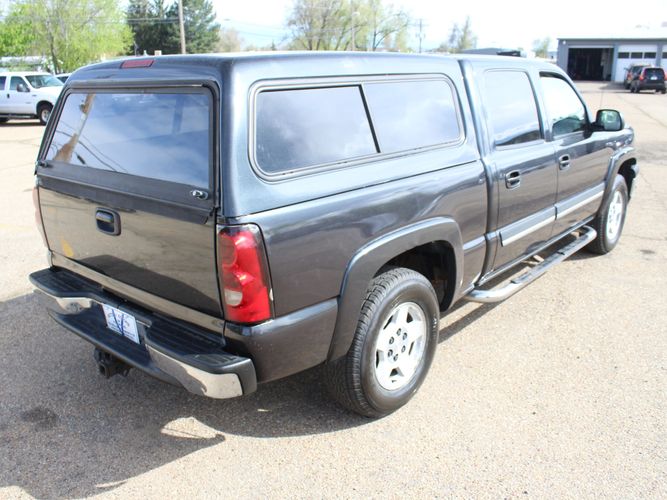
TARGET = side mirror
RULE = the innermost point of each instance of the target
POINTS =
(22, 88)
(608, 120)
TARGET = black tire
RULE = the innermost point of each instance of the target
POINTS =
(3, 120)
(606, 241)
(43, 113)
(352, 380)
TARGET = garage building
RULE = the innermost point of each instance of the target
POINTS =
(605, 59)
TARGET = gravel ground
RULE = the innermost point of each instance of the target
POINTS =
(558, 392)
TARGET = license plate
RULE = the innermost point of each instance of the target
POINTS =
(654, 78)
(121, 322)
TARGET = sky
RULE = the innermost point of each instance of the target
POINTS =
(500, 23)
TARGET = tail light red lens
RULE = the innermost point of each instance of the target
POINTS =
(244, 274)
(641, 76)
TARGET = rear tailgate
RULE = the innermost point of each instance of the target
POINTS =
(127, 189)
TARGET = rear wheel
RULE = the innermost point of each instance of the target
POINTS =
(611, 218)
(3, 120)
(43, 113)
(393, 346)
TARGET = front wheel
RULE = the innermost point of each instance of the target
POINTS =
(43, 113)
(611, 218)
(393, 346)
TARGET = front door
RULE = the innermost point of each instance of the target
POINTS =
(18, 102)
(582, 157)
(526, 173)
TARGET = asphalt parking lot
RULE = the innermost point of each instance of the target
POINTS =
(561, 391)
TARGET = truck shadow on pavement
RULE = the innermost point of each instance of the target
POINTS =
(66, 431)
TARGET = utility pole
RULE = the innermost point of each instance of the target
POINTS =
(181, 25)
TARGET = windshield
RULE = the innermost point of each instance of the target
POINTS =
(39, 81)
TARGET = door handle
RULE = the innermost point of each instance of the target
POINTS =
(513, 179)
(564, 162)
(107, 221)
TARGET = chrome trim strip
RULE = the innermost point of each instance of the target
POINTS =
(561, 211)
(196, 381)
(504, 241)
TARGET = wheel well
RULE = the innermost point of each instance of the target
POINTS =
(627, 173)
(42, 103)
(436, 261)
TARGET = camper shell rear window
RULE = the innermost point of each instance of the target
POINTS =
(156, 135)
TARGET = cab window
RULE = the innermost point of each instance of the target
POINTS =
(511, 108)
(15, 81)
(566, 111)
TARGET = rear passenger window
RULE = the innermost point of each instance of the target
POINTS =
(413, 114)
(565, 109)
(298, 128)
(511, 108)
(2, 82)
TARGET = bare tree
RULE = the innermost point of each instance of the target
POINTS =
(460, 38)
(541, 47)
(347, 25)
(230, 40)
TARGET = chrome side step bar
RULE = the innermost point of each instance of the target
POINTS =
(587, 234)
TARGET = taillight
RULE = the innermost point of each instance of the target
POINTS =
(641, 76)
(38, 214)
(244, 274)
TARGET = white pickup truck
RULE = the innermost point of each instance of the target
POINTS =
(28, 95)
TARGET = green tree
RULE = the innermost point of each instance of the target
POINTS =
(69, 33)
(202, 33)
(155, 26)
(151, 29)
(541, 47)
(16, 35)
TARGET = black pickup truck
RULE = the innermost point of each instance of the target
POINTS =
(222, 221)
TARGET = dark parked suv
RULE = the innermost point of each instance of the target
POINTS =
(649, 79)
(222, 221)
(631, 73)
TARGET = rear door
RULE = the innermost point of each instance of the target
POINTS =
(523, 162)
(126, 187)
